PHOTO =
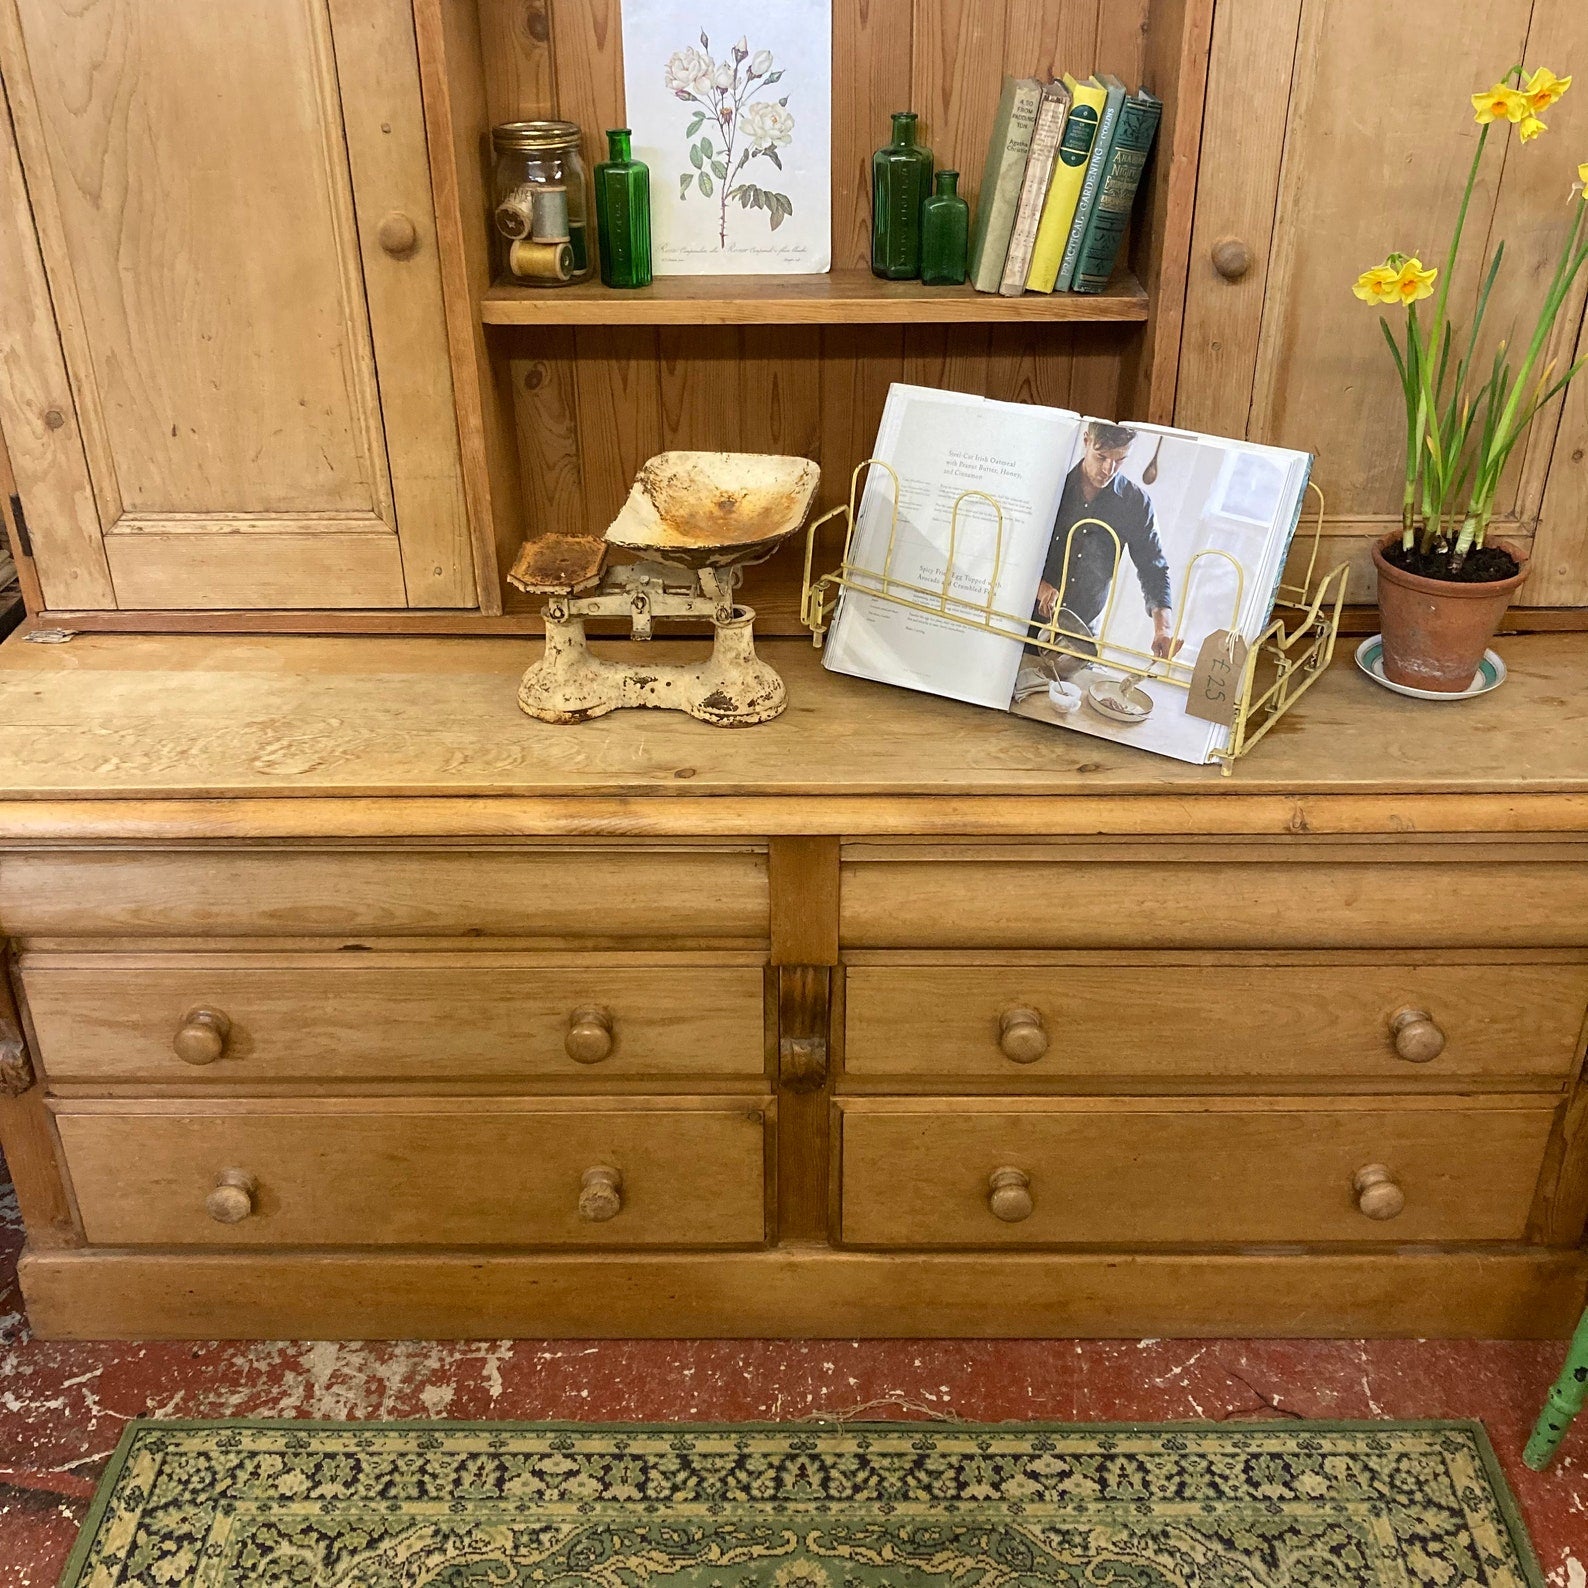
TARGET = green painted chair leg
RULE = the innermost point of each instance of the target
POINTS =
(1566, 1397)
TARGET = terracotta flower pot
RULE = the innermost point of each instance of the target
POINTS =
(1436, 630)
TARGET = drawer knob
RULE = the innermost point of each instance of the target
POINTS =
(202, 1036)
(397, 234)
(589, 1038)
(1417, 1037)
(1009, 1195)
(232, 1200)
(1022, 1035)
(1378, 1194)
(1231, 258)
(600, 1195)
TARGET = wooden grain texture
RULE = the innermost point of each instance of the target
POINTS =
(1059, 901)
(1236, 1018)
(802, 1294)
(872, 46)
(383, 119)
(1560, 554)
(843, 297)
(1243, 140)
(37, 410)
(546, 412)
(601, 892)
(415, 1017)
(520, 73)
(417, 1174)
(27, 1138)
(1120, 1173)
(170, 717)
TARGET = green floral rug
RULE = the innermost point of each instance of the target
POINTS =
(505, 1505)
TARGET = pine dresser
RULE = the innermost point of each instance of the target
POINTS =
(348, 1001)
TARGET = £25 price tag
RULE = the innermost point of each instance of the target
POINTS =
(1216, 679)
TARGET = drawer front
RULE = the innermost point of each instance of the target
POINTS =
(529, 892)
(488, 1174)
(236, 1020)
(1255, 896)
(1147, 1018)
(1119, 1173)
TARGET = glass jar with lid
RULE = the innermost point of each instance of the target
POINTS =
(542, 206)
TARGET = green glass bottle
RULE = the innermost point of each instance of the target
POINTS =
(901, 173)
(945, 233)
(623, 214)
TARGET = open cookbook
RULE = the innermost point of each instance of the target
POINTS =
(1129, 547)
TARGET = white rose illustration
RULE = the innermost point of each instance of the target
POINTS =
(688, 71)
(769, 126)
(724, 77)
(761, 63)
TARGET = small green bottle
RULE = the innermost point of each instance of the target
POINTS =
(623, 214)
(901, 172)
(945, 233)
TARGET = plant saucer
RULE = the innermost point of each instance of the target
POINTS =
(1370, 658)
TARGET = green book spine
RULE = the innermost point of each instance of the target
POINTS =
(1116, 197)
(999, 196)
(1106, 129)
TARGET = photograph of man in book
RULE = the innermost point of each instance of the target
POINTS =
(1096, 489)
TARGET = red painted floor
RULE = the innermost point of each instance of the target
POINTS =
(62, 1406)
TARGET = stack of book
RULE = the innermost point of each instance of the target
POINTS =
(1062, 171)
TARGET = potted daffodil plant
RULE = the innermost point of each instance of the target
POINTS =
(1444, 584)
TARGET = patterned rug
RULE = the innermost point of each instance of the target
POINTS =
(504, 1505)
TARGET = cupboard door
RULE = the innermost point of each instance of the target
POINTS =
(244, 400)
(1310, 173)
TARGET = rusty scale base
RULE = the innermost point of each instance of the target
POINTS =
(692, 523)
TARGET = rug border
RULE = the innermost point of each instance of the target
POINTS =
(1510, 1511)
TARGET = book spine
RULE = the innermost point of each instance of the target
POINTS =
(1089, 187)
(1033, 189)
(1069, 170)
(1094, 266)
(1000, 193)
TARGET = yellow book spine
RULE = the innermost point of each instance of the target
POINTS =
(1064, 188)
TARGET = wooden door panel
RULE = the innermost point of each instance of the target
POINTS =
(192, 179)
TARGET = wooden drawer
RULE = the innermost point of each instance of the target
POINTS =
(528, 891)
(1156, 1018)
(464, 1172)
(1185, 895)
(373, 1016)
(1117, 1172)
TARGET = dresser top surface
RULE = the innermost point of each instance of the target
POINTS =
(225, 718)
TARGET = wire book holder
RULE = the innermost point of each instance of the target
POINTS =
(1281, 665)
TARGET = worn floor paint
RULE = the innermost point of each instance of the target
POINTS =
(62, 1406)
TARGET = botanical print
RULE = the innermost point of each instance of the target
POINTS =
(736, 134)
(735, 119)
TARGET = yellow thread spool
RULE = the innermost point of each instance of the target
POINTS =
(541, 261)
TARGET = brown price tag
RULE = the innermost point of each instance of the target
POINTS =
(1215, 688)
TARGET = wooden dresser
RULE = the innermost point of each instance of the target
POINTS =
(358, 1004)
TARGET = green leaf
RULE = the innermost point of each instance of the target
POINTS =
(771, 155)
(684, 183)
(696, 124)
(705, 184)
(695, 158)
(719, 169)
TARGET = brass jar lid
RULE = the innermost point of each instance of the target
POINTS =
(525, 137)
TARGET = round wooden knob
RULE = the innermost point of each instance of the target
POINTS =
(1009, 1195)
(232, 1200)
(600, 1195)
(1231, 258)
(1416, 1036)
(1378, 1195)
(397, 234)
(202, 1036)
(1022, 1035)
(589, 1038)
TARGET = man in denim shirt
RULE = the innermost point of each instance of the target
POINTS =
(1096, 489)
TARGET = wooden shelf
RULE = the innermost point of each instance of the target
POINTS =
(843, 297)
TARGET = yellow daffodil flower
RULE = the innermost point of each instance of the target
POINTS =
(1543, 88)
(1582, 182)
(1500, 104)
(1398, 280)
(1529, 128)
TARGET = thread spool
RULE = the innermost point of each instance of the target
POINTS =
(540, 261)
(549, 222)
(515, 215)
